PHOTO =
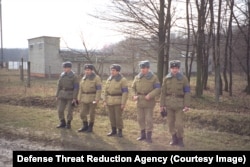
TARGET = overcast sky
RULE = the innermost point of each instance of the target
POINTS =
(68, 19)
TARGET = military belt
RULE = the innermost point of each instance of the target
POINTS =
(115, 94)
(174, 95)
(88, 92)
(67, 89)
(142, 94)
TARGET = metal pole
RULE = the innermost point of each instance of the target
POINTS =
(1, 33)
(28, 71)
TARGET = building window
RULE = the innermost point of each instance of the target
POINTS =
(40, 45)
(31, 46)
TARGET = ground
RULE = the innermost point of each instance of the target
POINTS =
(29, 119)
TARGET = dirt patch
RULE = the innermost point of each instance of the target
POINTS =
(7, 146)
(36, 101)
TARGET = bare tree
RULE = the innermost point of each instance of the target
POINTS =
(201, 7)
(144, 18)
(89, 55)
(228, 51)
(244, 28)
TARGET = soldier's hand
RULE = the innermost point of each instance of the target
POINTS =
(95, 101)
(135, 98)
(122, 107)
(185, 109)
(163, 112)
(162, 108)
(104, 104)
(147, 97)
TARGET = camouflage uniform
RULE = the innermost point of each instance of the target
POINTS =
(116, 95)
(88, 96)
(143, 85)
(175, 95)
(67, 90)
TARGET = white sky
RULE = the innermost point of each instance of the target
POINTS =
(68, 19)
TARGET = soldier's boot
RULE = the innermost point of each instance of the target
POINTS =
(143, 135)
(113, 132)
(62, 124)
(149, 137)
(174, 140)
(119, 133)
(180, 142)
(68, 125)
(90, 128)
(84, 127)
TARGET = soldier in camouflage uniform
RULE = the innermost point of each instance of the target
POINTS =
(66, 94)
(115, 98)
(175, 96)
(88, 96)
(145, 87)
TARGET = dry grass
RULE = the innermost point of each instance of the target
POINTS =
(39, 125)
(31, 113)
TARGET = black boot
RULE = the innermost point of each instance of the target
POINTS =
(180, 142)
(90, 128)
(174, 140)
(62, 124)
(149, 135)
(143, 135)
(119, 133)
(84, 127)
(113, 132)
(68, 125)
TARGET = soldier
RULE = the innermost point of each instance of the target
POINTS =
(66, 94)
(115, 98)
(88, 96)
(146, 87)
(175, 95)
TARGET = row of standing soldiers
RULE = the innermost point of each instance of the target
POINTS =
(174, 98)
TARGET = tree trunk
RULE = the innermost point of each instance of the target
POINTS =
(218, 82)
(168, 27)
(188, 41)
(161, 35)
(248, 51)
(200, 46)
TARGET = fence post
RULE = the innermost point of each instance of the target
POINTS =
(79, 68)
(21, 70)
(49, 72)
(28, 71)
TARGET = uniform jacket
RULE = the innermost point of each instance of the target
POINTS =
(176, 88)
(67, 86)
(116, 90)
(90, 88)
(146, 85)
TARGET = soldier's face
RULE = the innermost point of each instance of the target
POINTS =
(174, 70)
(144, 70)
(67, 70)
(113, 72)
(87, 71)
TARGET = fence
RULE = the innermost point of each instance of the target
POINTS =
(15, 65)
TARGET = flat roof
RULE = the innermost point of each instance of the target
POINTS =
(43, 37)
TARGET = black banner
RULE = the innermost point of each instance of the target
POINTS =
(138, 158)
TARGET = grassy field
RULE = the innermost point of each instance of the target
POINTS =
(31, 113)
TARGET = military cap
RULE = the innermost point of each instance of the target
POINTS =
(117, 67)
(175, 63)
(89, 66)
(144, 64)
(67, 64)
